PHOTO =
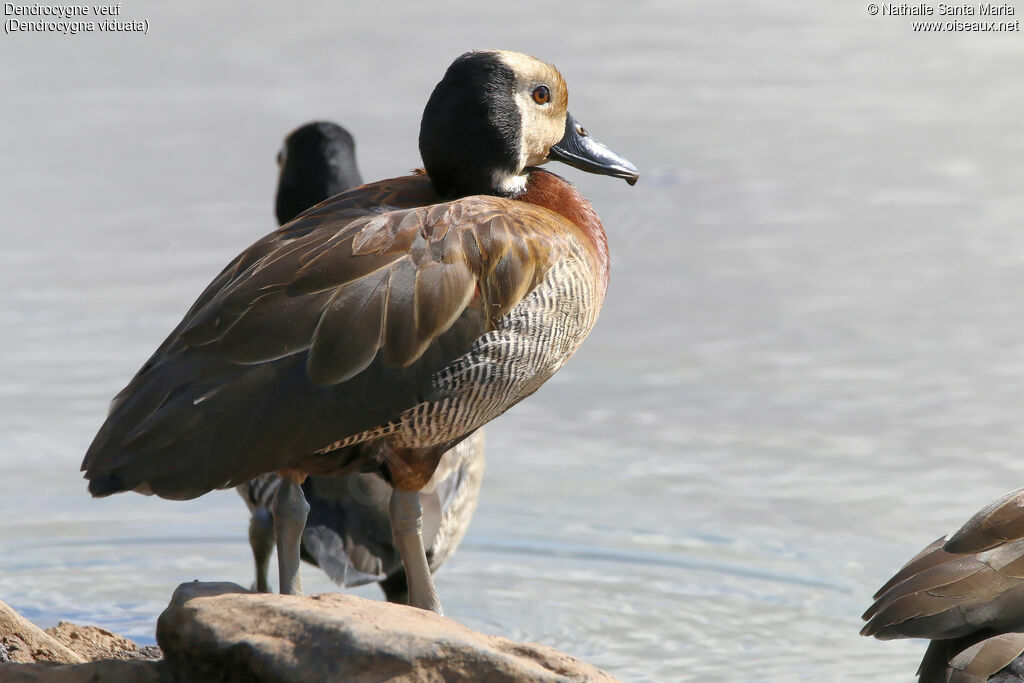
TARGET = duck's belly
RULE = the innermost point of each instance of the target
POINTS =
(511, 362)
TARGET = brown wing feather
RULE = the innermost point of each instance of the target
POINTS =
(981, 660)
(926, 559)
(258, 335)
(999, 522)
(401, 343)
(970, 602)
(350, 330)
(442, 292)
(331, 326)
(956, 596)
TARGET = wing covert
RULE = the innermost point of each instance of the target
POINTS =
(328, 327)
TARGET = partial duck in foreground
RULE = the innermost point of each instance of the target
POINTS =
(379, 329)
(348, 530)
(964, 592)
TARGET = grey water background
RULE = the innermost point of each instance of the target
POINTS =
(809, 364)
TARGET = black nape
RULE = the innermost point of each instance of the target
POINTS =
(471, 126)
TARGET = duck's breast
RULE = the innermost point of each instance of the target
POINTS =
(526, 345)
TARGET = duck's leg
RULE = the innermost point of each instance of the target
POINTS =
(290, 510)
(261, 540)
(407, 527)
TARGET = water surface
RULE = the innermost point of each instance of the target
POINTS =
(809, 363)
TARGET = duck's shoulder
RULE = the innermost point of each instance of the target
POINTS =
(434, 257)
(378, 197)
(397, 205)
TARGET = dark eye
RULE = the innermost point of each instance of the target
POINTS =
(541, 94)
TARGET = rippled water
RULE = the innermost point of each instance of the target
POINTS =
(809, 363)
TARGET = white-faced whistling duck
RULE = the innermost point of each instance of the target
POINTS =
(380, 328)
(964, 592)
(348, 532)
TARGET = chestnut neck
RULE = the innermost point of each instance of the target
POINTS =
(557, 194)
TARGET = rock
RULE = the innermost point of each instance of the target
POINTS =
(220, 631)
(93, 642)
(25, 642)
(31, 655)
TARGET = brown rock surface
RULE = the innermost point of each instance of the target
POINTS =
(93, 642)
(36, 655)
(220, 631)
(25, 642)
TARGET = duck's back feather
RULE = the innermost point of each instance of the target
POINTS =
(323, 332)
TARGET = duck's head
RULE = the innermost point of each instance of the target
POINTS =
(495, 115)
(317, 161)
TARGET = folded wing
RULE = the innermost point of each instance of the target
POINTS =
(964, 592)
(325, 329)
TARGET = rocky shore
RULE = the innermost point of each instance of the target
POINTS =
(222, 632)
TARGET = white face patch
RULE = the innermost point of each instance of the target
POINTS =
(541, 124)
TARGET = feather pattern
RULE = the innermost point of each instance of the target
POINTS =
(966, 593)
(381, 312)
